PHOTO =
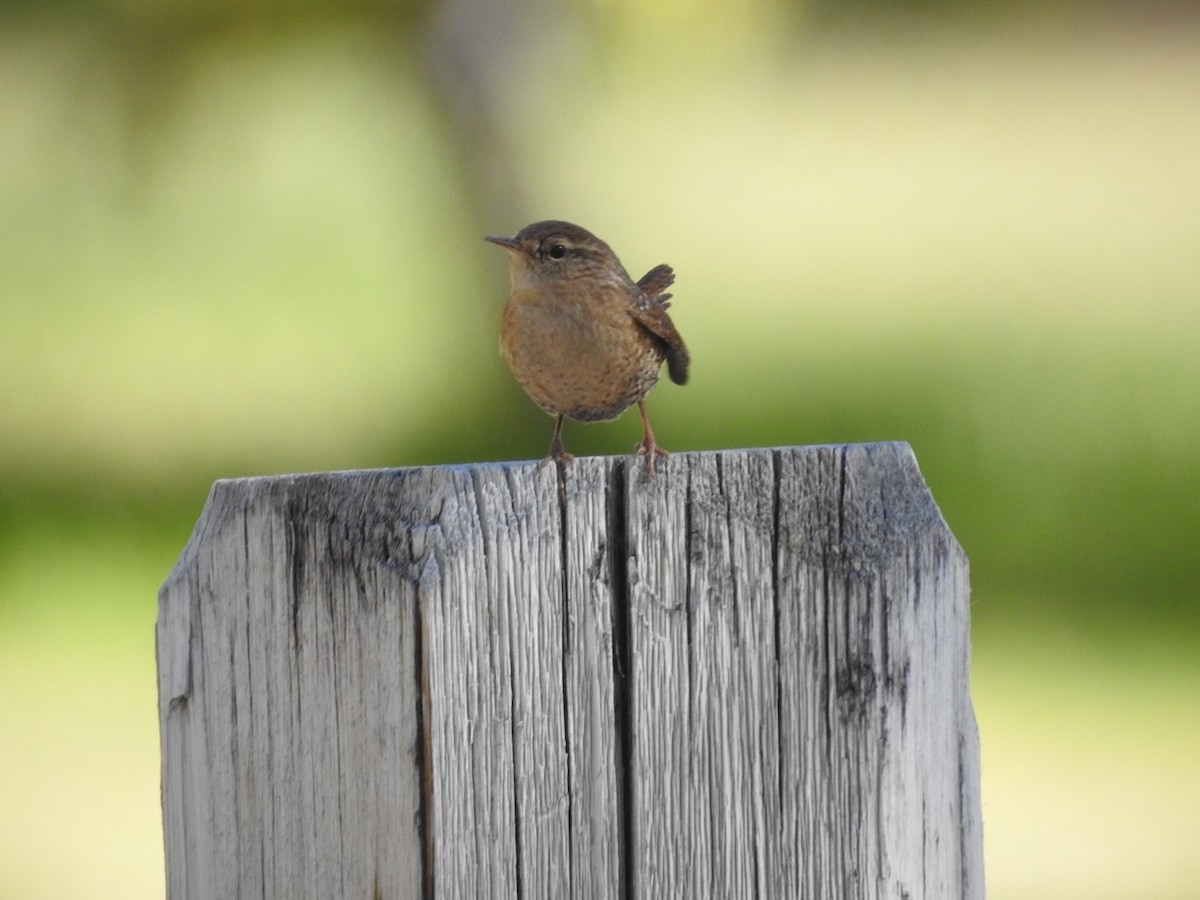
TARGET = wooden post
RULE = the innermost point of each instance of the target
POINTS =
(743, 676)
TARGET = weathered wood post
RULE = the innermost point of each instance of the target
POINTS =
(744, 676)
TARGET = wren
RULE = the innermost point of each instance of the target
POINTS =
(582, 338)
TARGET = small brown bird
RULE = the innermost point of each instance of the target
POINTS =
(580, 336)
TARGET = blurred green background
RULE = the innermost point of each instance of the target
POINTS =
(245, 238)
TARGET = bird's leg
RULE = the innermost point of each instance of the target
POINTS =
(557, 452)
(648, 445)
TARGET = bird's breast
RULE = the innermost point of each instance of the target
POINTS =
(578, 355)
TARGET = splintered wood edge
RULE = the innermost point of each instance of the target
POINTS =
(230, 494)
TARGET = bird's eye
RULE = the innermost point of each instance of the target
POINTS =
(558, 251)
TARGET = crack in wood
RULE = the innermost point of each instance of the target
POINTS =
(618, 537)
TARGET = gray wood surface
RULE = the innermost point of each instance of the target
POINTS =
(743, 676)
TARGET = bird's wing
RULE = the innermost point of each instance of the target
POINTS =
(650, 311)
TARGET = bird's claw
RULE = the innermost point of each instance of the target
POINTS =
(557, 453)
(649, 449)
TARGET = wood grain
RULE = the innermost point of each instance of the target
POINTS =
(743, 676)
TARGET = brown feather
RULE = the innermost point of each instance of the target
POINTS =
(650, 311)
(657, 280)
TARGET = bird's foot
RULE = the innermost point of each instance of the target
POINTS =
(648, 448)
(558, 453)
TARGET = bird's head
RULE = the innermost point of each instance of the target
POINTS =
(552, 254)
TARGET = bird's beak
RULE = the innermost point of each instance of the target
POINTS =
(509, 244)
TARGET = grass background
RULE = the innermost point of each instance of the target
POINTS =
(240, 242)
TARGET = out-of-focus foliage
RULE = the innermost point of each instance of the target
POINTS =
(245, 238)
